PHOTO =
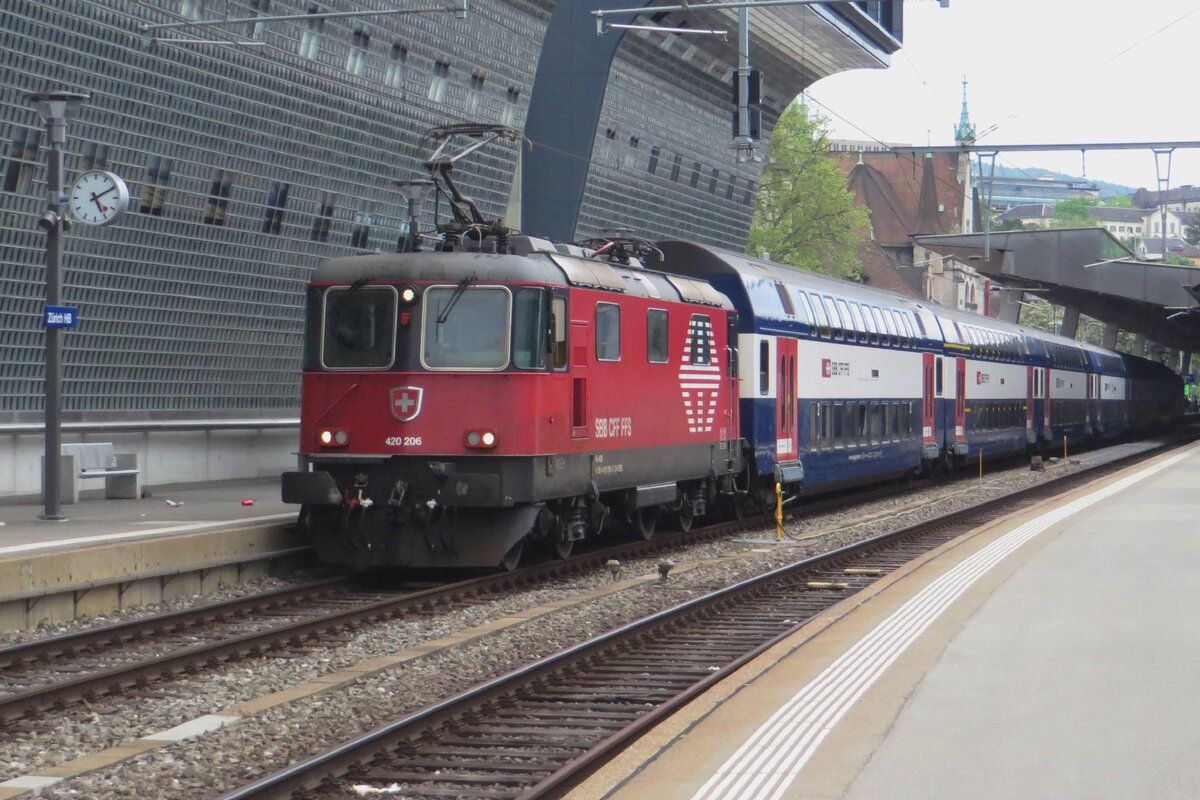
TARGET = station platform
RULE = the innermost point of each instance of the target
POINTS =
(112, 554)
(1049, 654)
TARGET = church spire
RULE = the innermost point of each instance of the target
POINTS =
(965, 132)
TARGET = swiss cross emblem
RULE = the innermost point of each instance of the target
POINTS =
(406, 402)
(826, 367)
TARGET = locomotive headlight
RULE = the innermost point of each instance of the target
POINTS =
(482, 439)
(334, 438)
(408, 295)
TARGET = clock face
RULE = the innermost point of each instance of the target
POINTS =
(98, 197)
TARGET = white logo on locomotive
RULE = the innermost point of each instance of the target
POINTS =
(405, 402)
(699, 384)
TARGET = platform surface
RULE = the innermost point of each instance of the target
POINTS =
(1055, 654)
(95, 522)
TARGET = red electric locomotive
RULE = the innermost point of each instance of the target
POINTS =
(457, 405)
(460, 404)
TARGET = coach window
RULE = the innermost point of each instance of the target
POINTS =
(874, 322)
(890, 321)
(701, 344)
(937, 377)
(859, 322)
(764, 367)
(785, 299)
(608, 332)
(839, 425)
(656, 336)
(836, 324)
(819, 316)
(805, 309)
(359, 328)
(847, 322)
(465, 327)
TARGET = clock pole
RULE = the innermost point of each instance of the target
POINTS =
(56, 108)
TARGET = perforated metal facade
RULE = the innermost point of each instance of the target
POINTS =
(250, 165)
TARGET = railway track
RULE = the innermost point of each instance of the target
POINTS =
(539, 730)
(100, 664)
(59, 672)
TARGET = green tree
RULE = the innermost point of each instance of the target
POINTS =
(1119, 201)
(1191, 229)
(1074, 213)
(805, 216)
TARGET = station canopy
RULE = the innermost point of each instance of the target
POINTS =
(1089, 269)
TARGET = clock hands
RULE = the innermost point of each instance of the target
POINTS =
(96, 199)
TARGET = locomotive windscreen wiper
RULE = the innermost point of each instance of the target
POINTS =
(458, 292)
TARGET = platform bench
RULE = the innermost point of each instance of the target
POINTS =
(84, 460)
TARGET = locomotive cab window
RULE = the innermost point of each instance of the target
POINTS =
(656, 336)
(359, 328)
(465, 327)
(608, 332)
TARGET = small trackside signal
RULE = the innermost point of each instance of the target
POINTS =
(482, 439)
(334, 438)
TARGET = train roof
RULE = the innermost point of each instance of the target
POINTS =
(537, 263)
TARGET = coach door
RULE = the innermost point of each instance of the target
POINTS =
(960, 400)
(927, 401)
(1030, 377)
(1097, 402)
(786, 445)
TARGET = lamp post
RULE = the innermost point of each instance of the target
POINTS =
(56, 108)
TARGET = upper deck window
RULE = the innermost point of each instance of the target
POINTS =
(359, 328)
(465, 327)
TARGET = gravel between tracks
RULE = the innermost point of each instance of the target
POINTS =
(259, 745)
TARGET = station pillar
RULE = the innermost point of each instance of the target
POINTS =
(1070, 321)
(1111, 329)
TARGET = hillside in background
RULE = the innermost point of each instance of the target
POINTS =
(1106, 189)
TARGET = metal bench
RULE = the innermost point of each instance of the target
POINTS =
(83, 460)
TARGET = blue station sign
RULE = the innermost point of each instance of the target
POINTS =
(62, 316)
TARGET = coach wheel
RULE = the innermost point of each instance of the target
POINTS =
(684, 518)
(645, 520)
(512, 558)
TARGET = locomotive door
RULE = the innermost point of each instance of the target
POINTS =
(580, 423)
(960, 400)
(786, 441)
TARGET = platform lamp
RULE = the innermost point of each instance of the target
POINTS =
(414, 192)
(57, 109)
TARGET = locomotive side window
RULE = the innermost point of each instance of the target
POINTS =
(558, 332)
(530, 329)
(359, 328)
(465, 327)
(608, 332)
(657, 348)
(701, 344)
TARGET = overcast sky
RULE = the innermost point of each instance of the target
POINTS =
(1038, 71)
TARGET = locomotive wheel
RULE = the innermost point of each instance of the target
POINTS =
(645, 520)
(563, 547)
(684, 519)
(513, 557)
